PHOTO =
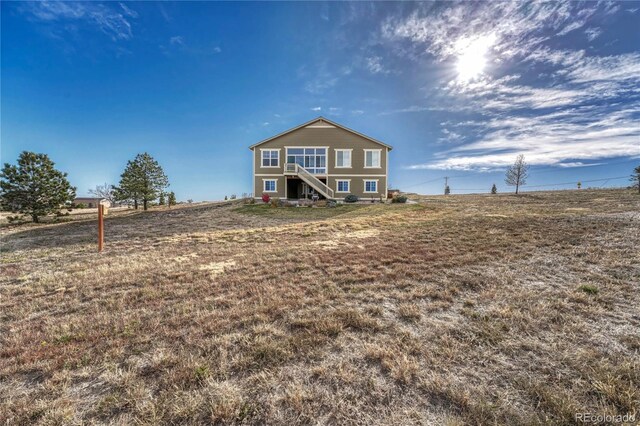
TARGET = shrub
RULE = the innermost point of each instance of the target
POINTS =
(81, 206)
(589, 289)
(275, 202)
(266, 198)
(15, 219)
(351, 198)
(321, 203)
(399, 199)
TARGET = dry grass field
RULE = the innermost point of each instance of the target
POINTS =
(455, 310)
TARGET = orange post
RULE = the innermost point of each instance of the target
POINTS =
(100, 227)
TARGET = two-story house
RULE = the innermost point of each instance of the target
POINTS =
(321, 157)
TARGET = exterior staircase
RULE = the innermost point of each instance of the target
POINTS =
(294, 169)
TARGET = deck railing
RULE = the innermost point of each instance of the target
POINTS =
(317, 184)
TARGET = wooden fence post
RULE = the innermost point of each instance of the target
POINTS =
(100, 227)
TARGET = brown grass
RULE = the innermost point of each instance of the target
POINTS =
(458, 310)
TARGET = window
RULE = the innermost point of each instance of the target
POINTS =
(314, 160)
(342, 186)
(343, 158)
(270, 157)
(270, 185)
(370, 186)
(372, 158)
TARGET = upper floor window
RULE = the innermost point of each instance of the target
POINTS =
(372, 158)
(270, 158)
(343, 158)
(314, 160)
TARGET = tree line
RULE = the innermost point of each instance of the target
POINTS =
(33, 186)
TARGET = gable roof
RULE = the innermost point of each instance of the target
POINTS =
(321, 122)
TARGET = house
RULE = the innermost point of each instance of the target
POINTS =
(320, 158)
(90, 202)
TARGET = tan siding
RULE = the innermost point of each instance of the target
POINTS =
(333, 138)
(280, 186)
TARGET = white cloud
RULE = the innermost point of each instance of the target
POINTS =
(374, 65)
(412, 108)
(320, 84)
(593, 33)
(568, 108)
(176, 40)
(564, 138)
(111, 22)
(512, 23)
(606, 68)
(128, 11)
(316, 108)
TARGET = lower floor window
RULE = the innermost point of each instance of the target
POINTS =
(343, 186)
(270, 185)
(370, 186)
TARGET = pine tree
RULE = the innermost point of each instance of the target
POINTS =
(447, 190)
(34, 186)
(518, 173)
(143, 179)
(161, 200)
(635, 177)
(494, 189)
(172, 199)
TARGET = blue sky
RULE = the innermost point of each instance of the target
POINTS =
(459, 89)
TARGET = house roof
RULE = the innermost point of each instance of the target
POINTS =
(321, 119)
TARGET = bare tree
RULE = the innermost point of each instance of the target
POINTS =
(106, 192)
(518, 173)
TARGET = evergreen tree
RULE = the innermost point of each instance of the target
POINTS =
(128, 191)
(518, 173)
(34, 186)
(635, 177)
(494, 189)
(172, 199)
(447, 190)
(142, 180)
(161, 199)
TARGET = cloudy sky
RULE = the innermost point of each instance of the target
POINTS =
(459, 89)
